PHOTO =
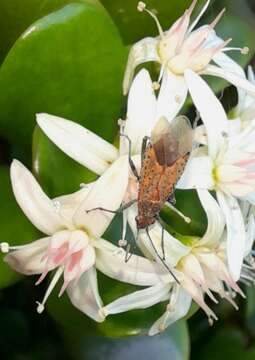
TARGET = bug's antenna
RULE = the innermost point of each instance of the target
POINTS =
(160, 258)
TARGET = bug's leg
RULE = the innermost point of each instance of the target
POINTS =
(144, 145)
(131, 162)
(119, 210)
(171, 199)
(160, 258)
(162, 237)
(128, 253)
(185, 218)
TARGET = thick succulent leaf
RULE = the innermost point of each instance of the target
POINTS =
(16, 16)
(57, 172)
(64, 65)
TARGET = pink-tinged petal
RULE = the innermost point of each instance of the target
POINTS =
(175, 311)
(215, 219)
(33, 201)
(138, 270)
(108, 193)
(235, 233)
(84, 295)
(172, 95)
(29, 259)
(141, 109)
(210, 109)
(79, 143)
(140, 299)
(77, 264)
(232, 78)
(143, 51)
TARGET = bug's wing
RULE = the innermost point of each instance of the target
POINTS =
(172, 140)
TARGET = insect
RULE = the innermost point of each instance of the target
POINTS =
(164, 156)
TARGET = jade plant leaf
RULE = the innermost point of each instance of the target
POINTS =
(16, 16)
(15, 227)
(69, 63)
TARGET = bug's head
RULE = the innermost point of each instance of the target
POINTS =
(143, 222)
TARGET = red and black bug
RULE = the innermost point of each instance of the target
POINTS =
(164, 156)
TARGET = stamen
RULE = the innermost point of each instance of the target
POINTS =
(185, 218)
(195, 22)
(142, 7)
(217, 19)
(5, 247)
(244, 51)
(58, 273)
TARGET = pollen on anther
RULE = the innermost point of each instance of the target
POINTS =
(245, 50)
(155, 85)
(141, 6)
(4, 247)
(40, 307)
(122, 242)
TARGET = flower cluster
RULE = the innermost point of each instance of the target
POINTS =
(221, 167)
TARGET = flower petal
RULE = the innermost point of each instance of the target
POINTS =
(210, 109)
(197, 174)
(141, 110)
(143, 51)
(250, 235)
(174, 249)
(84, 295)
(215, 219)
(140, 299)
(33, 201)
(108, 193)
(226, 63)
(79, 143)
(110, 260)
(175, 312)
(172, 95)
(231, 77)
(68, 204)
(235, 233)
(28, 259)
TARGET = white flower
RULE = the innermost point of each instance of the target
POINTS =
(225, 165)
(180, 48)
(200, 267)
(143, 111)
(73, 245)
(244, 112)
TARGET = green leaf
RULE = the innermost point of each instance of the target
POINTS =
(134, 25)
(57, 173)
(173, 344)
(69, 63)
(16, 16)
(226, 343)
(188, 203)
(15, 227)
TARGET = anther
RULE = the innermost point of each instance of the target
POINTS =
(245, 50)
(4, 247)
(122, 242)
(155, 85)
(141, 6)
(161, 327)
(40, 307)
